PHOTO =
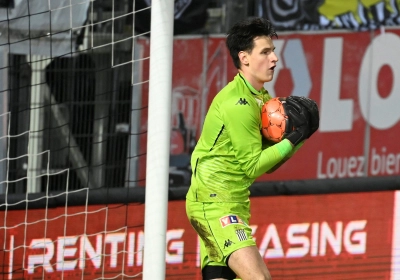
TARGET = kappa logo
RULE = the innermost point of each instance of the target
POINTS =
(228, 243)
(230, 219)
(242, 101)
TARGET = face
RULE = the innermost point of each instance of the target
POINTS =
(259, 64)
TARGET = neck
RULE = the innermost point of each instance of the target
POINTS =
(255, 84)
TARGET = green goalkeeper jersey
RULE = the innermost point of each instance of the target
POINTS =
(231, 153)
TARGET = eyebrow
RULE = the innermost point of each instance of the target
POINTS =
(269, 49)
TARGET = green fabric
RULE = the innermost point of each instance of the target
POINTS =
(285, 147)
(230, 153)
(223, 228)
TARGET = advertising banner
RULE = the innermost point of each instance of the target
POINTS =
(333, 236)
(329, 14)
(355, 81)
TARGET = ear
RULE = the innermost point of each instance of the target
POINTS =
(243, 58)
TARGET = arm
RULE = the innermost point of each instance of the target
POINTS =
(279, 164)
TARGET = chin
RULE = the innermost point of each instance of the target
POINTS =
(269, 78)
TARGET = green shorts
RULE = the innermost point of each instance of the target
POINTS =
(222, 227)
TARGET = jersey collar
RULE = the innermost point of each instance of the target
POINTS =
(251, 88)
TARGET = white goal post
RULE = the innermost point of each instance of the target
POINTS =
(158, 139)
(80, 81)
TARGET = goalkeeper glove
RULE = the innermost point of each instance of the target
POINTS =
(312, 108)
(299, 118)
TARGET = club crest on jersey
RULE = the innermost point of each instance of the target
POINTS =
(230, 220)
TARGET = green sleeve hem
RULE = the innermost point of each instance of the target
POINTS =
(284, 147)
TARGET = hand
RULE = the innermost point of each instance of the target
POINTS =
(299, 117)
(312, 108)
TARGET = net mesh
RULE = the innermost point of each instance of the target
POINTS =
(73, 100)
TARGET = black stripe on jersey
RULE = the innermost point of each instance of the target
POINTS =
(246, 85)
(195, 168)
(216, 139)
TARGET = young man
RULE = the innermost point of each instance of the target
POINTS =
(231, 153)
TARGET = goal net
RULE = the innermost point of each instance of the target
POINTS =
(75, 77)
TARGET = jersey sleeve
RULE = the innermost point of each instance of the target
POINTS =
(287, 157)
(242, 123)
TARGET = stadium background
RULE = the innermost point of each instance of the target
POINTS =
(332, 212)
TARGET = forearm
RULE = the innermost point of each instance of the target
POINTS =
(271, 156)
(279, 164)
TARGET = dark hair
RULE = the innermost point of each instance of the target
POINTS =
(241, 36)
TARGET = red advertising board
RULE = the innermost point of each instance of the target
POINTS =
(337, 236)
(353, 76)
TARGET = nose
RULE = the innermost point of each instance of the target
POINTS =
(275, 57)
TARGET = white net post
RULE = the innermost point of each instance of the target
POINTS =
(158, 139)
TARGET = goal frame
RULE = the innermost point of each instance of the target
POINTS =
(158, 139)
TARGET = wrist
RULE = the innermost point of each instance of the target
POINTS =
(284, 147)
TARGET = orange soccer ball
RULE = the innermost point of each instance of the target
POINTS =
(274, 120)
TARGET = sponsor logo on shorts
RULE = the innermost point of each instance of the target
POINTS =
(230, 220)
(241, 234)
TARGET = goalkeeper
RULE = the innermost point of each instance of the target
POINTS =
(231, 153)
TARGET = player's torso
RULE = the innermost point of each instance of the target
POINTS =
(217, 175)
